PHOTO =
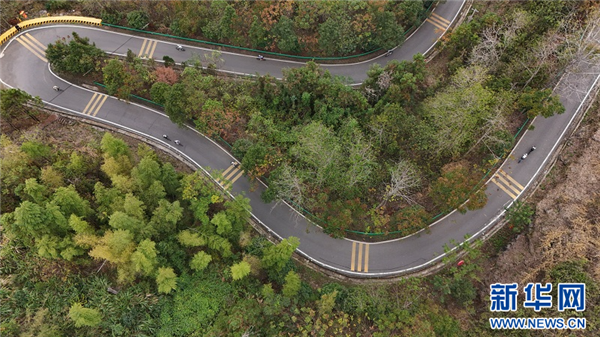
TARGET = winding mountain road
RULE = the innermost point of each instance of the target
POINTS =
(23, 65)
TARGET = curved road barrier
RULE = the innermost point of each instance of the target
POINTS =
(80, 20)
(23, 66)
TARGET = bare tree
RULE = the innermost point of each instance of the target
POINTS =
(404, 179)
(385, 80)
(541, 55)
(318, 147)
(495, 123)
(377, 129)
(582, 55)
(495, 40)
(374, 92)
(289, 185)
(360, 160)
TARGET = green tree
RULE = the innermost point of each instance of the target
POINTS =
(37, 151)
(56, 221)
(136, 227)
(134, 207)
(16, 168)
(159, 92)
(540, 102)
(144, 258)
(292, 284)
(277, 256)
(389, 33)
(548, 15)
(70, 202)
(108, 201)
(145, 173)
(77, 165)
(285, 35)
(240, 270)
(227, 23)
(15, 104)
(117, 169)
(153, 194)
(84, 316)
(238, 213)
(29, 222)
(409, 11)
(168, 62)
(113, 18)
(114, 78)
(256, 159)
(200, 261)
(220, 244)
(35, 191)
(169, 179)
(166, 280)
(213, 25)
(327, 302)
(76, 55)
(337, 36)
(519, 215)
(176, 104)
(114, 147)
(115, 246)
(166, 216)
(257, 33)
(190, 239)
(222, 224)
(79, 225)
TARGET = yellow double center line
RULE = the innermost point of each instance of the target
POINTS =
(507, 184)
(33, 45)
(94, 104)
(231, 174)
(438, 21)
(148, 47)
(356, 262)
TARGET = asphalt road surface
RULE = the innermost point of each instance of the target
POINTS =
(22, 65)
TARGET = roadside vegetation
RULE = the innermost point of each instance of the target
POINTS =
(63, 289)
(310, 28)
(101, 237)
(409, 145)
(105, 236)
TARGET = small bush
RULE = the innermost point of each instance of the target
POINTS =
(137, 19)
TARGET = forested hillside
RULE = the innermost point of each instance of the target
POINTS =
(62, 289)
(412, 143)
(104, 235)
(312, 28)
